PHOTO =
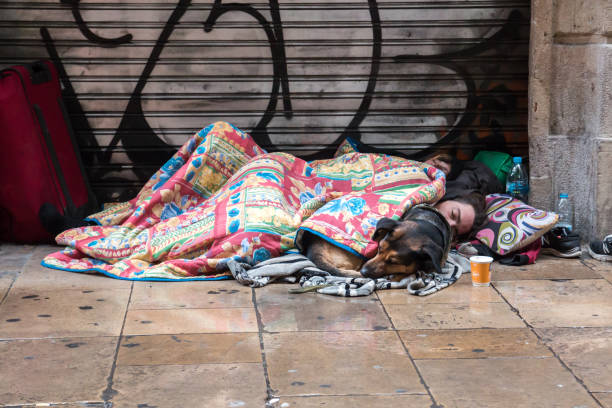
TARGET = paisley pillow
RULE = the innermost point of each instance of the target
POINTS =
(513, 224)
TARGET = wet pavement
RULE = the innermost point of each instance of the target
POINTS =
(540, 336)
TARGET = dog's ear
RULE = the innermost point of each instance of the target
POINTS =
(383, 227)
(435, 253)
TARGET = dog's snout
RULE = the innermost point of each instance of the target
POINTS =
(364, 270)
(372, 269)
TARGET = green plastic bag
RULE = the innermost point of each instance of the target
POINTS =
(500, 163)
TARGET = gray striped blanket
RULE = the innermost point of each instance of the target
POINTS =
(294, 268)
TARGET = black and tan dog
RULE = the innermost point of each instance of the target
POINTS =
(418, 242)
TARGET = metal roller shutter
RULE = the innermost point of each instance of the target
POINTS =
(411, 76)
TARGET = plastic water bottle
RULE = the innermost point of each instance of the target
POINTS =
(565, 209)
(517, 182)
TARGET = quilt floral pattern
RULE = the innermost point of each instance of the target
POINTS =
(222, 197)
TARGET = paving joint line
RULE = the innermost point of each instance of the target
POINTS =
(357, 394)
(416, 368)
(8, 290)
(109, 392)
(533, 330)
(264, 362)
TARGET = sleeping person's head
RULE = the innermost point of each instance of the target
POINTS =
(464, 214)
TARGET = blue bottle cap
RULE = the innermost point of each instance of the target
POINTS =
(517, 159)
(563, 195)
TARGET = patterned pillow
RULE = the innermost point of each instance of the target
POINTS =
(513, 224)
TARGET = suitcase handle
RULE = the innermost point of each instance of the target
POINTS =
(54, 159)
(39, 72)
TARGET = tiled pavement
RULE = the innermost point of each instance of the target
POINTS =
(540, 336)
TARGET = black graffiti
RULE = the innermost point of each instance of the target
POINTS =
(352, 129)
(259, 133)
(135, 133)
(104, 42)
(90, 150)
(457, 61)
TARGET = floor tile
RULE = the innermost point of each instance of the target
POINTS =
(362, 401)
(555, 292)
(464, 279)
(503, 383)
(579, 315)
(6, 280)
(55, 370)
(36, 276)
(605, 398)
(194, 343)
(14, 257)
(77, 404)
(283, 311)
(190, 349)
(180, 386)
(587, 352)
(63, 313)
(191, 295)
(473, 343)
(545, 267)
(338, 363)
(176, 321)
(452, 294)
(597, 264)
(575, 303)
(453, 316)
(603, 269)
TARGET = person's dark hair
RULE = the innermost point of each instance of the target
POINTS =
(445, 157)
(478, 202)
(455, 165)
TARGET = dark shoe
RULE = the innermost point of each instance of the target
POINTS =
(562, 243)
(601, 250)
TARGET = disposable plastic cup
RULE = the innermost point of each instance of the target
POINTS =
(481, 270)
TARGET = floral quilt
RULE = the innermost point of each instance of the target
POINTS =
(222, 197)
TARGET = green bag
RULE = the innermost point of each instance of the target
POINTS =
(500, 163)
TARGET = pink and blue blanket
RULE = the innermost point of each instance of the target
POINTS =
(222, 197)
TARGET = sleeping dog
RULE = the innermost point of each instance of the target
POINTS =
(418, 242)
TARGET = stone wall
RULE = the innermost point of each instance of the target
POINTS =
(570, 126)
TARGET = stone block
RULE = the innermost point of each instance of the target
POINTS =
(606, 93)
(539, 127)
(540, 192)
(540, 40)
(575, 90)
(607, 18)
(573, 172)
(580, 16)
(540, 74)
(603, 221)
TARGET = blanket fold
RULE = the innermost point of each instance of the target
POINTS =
(293, 267)
(287, 267)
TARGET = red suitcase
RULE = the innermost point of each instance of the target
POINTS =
(39, 159)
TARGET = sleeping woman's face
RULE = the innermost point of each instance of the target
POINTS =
(439, 164)
(460, 216)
